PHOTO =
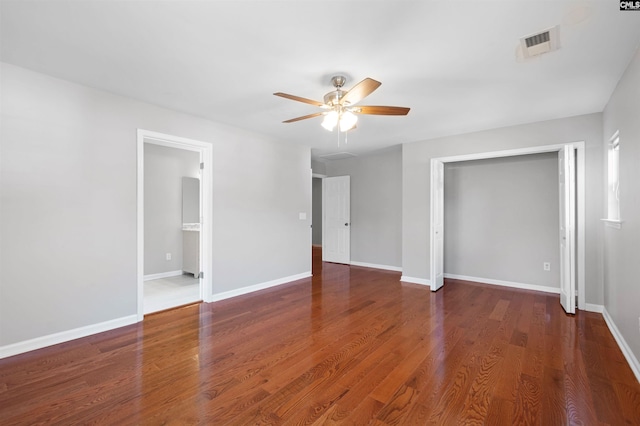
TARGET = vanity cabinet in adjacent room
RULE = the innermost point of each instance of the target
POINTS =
(191, 252)
(191, 226)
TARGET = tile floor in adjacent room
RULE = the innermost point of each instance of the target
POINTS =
(165, 293)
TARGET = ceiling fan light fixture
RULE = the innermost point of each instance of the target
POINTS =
(330, 120)
(347, 121)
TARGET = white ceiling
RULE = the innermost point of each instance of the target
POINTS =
(453, 62)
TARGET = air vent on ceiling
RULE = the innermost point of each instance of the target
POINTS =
(338, 156)
(539, 43)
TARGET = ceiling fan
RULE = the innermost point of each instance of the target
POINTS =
(340, 105)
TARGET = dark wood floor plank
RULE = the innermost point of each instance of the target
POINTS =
(533, 362)
(349, 346)
(577, 388)
(364, 414)
(506, 386)
(500, 412)
(528, 401)
(452, 400)
(629, 401)
(553, 410)
(476, 405)
(499, 310)
(397, 377)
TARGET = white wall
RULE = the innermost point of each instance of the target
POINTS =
(376, 199)
(68, 204)
(502, 219)
(416, 182)
(164, 169)
(622, 246)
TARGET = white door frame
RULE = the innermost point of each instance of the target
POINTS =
(580, 202)
(567, 186)
(437, 223)
(206, 236)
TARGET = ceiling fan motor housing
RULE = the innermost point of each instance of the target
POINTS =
(333, 98)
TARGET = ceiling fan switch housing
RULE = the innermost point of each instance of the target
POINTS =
(333, 98)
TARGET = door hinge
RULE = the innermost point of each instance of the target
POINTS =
(201, 166)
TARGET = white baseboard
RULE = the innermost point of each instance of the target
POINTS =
(413, 280)
(250, 289)
(505, 283)
(64, 336)
(162, 275)
(590, 307)
(376, 266)
(626, 351)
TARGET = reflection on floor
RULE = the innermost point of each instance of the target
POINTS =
(165, 293)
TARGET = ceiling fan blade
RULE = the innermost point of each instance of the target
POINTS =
(304, 117)
(382, 110)
(360, 91)
(299, 99)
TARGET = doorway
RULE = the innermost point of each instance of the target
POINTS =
(174, 189)
(316, 211)
(336, 219)
(576, 262)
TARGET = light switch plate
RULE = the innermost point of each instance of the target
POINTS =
(302, 216)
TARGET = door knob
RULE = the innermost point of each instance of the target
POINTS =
(346, 224)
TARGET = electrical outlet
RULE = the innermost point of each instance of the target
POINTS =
(546, 266)
(168, 256)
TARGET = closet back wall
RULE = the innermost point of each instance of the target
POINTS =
(502, 219)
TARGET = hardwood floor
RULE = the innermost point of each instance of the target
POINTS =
(350, 346)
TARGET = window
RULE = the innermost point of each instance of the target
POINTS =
(613, 182)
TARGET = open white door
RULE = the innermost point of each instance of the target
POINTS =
(566, 158)
(336, 219)
(437, 224)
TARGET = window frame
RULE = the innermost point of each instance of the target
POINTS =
(613, 217)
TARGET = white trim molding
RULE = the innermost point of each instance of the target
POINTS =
(162, 275)
(579, 146)
(206, 190)
(256, 287)
(624, 347)
(591, 307)
(65, 336)
(414, 280)
(522, 286)
(376, 266)
(610, 223)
